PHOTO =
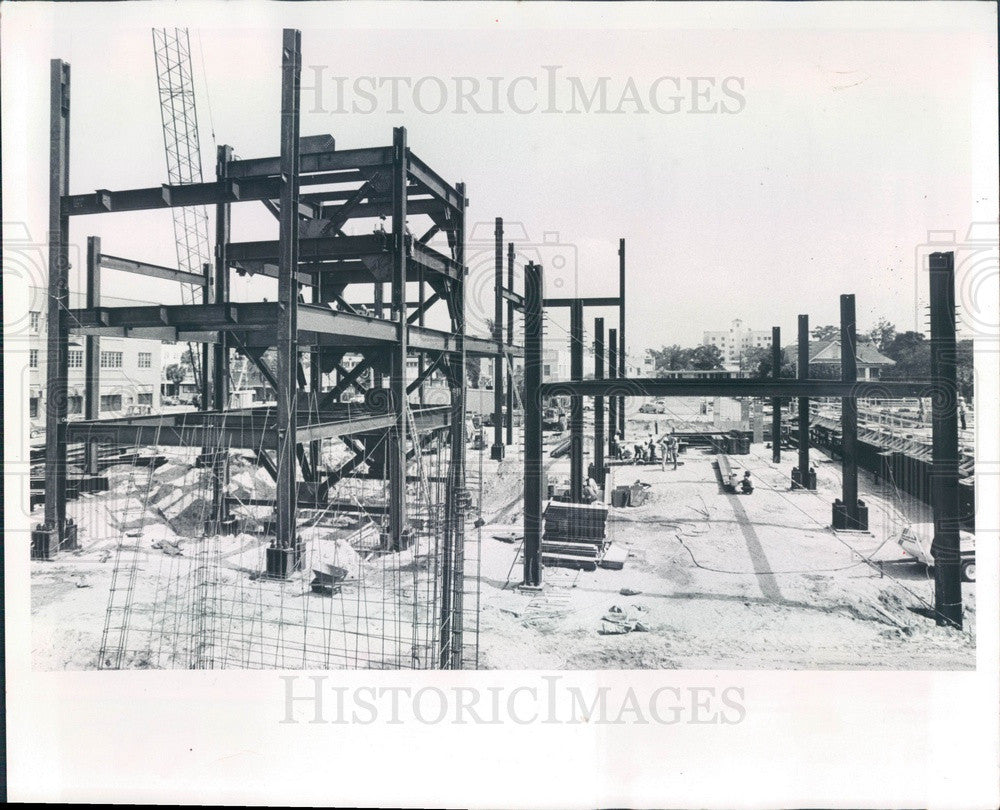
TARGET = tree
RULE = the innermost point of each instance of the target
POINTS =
(828, 332)
(756, 360)
(175, 373)
(670, 358)
(706, 358)
(912, 354)
(882, 334)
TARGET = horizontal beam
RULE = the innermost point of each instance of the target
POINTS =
(327, 248)
(430, 180)
(319, 325)
(254, 429)
(369, 158)
(155, 270)
(611, 301)
(763, 387)
(513, 297)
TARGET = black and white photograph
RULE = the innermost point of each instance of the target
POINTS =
(515, 392)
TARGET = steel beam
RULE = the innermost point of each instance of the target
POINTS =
(599, 402)
(341, 160)
(587, 302)
(458, 445)
(534, 477)
(287, 331)
(57, 368)
(740, 387)
(497, 450)
(510, 343)
(802, 372)
(398, 352)
(92, 378)
(776, 401)
(621, 332)
(152, 270)
(944, 426)
(613, 374)
(576, 479)
(849, 411)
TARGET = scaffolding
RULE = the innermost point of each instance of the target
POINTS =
(331, 205)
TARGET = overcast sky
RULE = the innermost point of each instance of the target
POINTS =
(847, 134)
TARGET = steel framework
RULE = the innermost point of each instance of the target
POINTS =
(314, 190)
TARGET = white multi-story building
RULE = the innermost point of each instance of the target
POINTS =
(733, 342)
(129, 368)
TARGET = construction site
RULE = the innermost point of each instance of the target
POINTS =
(366, 519)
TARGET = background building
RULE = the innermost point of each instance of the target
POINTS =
(733, 342)
(129, 373)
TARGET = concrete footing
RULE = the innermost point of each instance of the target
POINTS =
(841, 520)
(45, 540)
(282, 562)
(798, 483)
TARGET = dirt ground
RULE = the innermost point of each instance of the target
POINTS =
(727, 581)
(714, 581)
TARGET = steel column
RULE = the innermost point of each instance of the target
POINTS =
(460, 499)
(802, 372)
(57, 368)
(421, 312)
(287, 337)
(576, 403)
(944, 425)
(398, 353)
(534, 479)
(220, 351)
(849, 411)
(621, 332)
(92, 380)
(776, 401)
(599, 402)
(613, 374)
(510, 342)
(497, 450)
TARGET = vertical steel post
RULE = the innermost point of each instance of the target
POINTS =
(849, 411)
(460, 496)
(612, 374)
(496, 451)
(776, 401)
(421, 359)
(379, 297)
(57, 366)
(287, 332)
(510, 342)
(802, 372)
(207, 349)
(397, 359)
(534, 479)
(621, 332)
(599, 402)
(946, 547)
(220, 359)
(92, 380)
(576, 402)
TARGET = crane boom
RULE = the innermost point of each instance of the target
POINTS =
(179, 115)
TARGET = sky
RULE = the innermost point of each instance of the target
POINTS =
(844, 141)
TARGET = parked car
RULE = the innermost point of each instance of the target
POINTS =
(916, 539)
(647, 407)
